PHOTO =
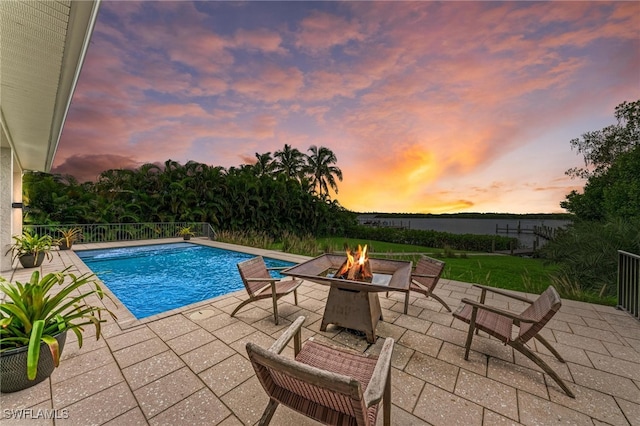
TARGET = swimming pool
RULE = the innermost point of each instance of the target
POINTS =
(153, 279)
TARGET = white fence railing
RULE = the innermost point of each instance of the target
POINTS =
(106, 232)
(629, 283)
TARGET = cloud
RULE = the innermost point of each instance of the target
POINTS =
(321, 31)
(433, 105)
(88, 167)
(272, 83)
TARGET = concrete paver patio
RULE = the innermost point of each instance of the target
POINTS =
(189, 366)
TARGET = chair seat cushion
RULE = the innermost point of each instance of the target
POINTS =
(336, 361)
(287, 286)
(496, 325)
(331, 359)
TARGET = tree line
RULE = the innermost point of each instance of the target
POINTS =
(607, 211)
(287, 191)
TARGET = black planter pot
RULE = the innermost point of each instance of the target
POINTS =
(30, 261)
(186, 237)
(63, 245)
(13, 366)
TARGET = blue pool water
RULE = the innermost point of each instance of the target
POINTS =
(152, 279)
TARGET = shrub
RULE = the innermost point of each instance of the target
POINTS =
(587, 253)
(467, 242)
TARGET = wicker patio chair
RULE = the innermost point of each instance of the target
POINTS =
(327, 384)
(426, 276)
(424, 279)
(261, 285)
(499, 323)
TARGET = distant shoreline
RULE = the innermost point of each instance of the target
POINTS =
(536, 216)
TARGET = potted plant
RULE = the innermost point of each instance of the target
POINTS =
(34, 320)
(69, 236)
(186, 232)
(30, 249)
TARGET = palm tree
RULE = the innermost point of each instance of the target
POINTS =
(290, 161)
(264, 164)
(321, 170)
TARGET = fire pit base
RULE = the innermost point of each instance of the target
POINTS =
(355, 304)
(358, 310)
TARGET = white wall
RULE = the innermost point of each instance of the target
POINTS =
(10, 192)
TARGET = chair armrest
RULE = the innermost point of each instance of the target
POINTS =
(422, 286)
(375, 390)
(503, 293)
(511, 315)
(278, 268)
(257, 280)
(423, 275)
(283, 340)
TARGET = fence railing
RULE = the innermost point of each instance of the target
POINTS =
(107, 232)
(629, 283)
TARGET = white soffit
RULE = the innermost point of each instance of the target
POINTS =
(42, 48)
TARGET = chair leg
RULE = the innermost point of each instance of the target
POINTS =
(268, 413)
(441, 301)
(540, 363)
(548, 346)
(467, 345)
(472, 326)
(274, 297)
(295, 296)
(241, 305)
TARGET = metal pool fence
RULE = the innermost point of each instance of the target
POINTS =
(106, 232)
(629, 283)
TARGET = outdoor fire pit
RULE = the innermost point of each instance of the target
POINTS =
(353, 301)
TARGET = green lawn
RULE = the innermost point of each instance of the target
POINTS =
(509, 272)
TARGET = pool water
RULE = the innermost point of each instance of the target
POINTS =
(153, 279)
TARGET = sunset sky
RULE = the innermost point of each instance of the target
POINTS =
(430, 107)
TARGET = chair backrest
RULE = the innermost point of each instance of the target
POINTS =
(428, 266)
(540, 311)
(325, 396)
(254, 268)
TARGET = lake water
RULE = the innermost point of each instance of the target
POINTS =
(478, 226)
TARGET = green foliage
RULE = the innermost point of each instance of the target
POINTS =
(247, 197)
(601, 148)
(339, 244)
(37, 310)
(186, 230)
(250, 238)
(321, 170)
(588, 253)
(467, 242)
(305, 245)
(608, 209)
(612, 161)
(30, 244)
(69, 236)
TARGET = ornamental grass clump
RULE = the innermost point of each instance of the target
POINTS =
(38, 310)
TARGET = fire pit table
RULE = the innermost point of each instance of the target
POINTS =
(351, 303)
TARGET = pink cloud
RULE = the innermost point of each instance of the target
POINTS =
(321, 31)
(271, 84)
(87, 167)
(262, 39)
(425, 100)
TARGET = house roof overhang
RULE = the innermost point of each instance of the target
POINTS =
(42, 48)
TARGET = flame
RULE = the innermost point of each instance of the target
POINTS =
(362, 255)
(360, 258)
